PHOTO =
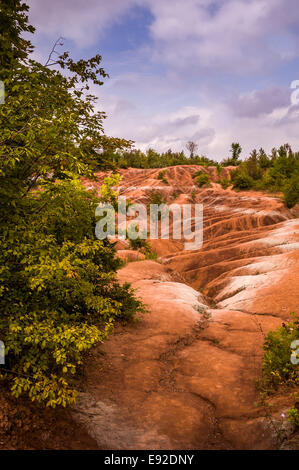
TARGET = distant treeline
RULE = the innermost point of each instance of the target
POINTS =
(153, 159)
(277, 171)
(121, 154)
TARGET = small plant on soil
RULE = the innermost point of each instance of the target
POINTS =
(202, 180)
(278, 369)
(279, 373)
(149, 254)
(294, 411)
(156, 197)
(141, 244)
(161, 176)
(219, 168)
(225, 183)
(193, 197)
(137, 244)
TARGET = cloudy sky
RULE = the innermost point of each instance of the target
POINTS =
(212, 71)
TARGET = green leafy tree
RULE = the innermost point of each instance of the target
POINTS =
(13, 21)
(236, 150)
(263, 159)
(58, 289)
(112, 149)
(234, 160)
(291, 191)
(253, 166)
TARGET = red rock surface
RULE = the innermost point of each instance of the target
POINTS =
(184, 375)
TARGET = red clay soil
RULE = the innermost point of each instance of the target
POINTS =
(183, 376)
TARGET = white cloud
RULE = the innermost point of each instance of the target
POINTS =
(260, 102)
(199, 33)
(81, 21)
(195, 42)
(236, 38)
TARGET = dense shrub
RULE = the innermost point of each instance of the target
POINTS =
(225, 183)
(202, 179)
(219, 169)
(162, 177)
(294, 414)
(242, 181)
(279, 372)
(277, 366)
(139, 242)
(143, 246)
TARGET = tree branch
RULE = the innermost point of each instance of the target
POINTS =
(58, 42)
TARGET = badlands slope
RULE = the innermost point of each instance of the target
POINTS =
(183, 376)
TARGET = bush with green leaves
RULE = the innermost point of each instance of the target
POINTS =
(156, 197)
(143, 246)
(294, 415)
(161, 176)
(278, 371)
(198, 173)
(277, 366)
(291, 191)
(202, 179)
(225, 183)
(59, 293)
(242, 181)
(139, 242)
(219, 169)
(58, 290)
